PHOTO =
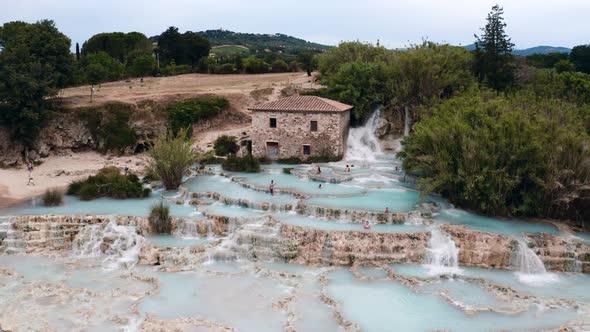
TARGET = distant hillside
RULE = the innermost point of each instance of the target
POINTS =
(259, 42)
(532, 50)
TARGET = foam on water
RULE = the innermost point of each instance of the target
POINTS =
(442, 254)
(363, 144)
(117, 245)
(530, 268)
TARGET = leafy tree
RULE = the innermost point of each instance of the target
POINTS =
(187, 48)
(279, 66)
(143, 65)
(546, 60)
(515, 155)
(101, 67)
(494, 62)
(364, 75)
(225, 145)
(580, 56)
(35, 62)
(118, 45)
(96, 73)
(306, 59)
(565, 66)
(253, 65)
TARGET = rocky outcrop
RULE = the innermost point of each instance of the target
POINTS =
(489, 250)
(559, 253)
(264, 237)
(321, 247)
(481, 249)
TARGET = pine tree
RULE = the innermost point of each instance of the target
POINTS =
(494, 62)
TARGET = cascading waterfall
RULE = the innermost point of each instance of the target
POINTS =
(363, 143)
(10, 241)
(118, 245)
(530, 268)
(407, 122)
(442, 254)
(186, 229)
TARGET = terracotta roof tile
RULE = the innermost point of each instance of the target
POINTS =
(303, 104)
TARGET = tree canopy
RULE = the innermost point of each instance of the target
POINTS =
(494, 62)
(185, 49)
(35, 62)
(118, 45)
(580, 56)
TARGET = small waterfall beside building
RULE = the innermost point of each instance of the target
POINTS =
(363, 143)
(407, 122)
(442, 255)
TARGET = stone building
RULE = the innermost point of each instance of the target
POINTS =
(299, 126)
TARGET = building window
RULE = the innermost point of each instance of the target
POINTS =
(273, 122)
(313, 126)
(307, 150)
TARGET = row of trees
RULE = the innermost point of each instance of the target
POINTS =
(491, 132)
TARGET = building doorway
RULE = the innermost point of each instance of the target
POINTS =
(272, 150)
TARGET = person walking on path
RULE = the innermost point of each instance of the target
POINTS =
(271, 187)
(30, 170)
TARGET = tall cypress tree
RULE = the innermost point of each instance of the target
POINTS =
(77, 52)
(494, 62)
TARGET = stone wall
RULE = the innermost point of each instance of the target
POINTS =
(293, 131)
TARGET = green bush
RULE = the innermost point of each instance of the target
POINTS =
(512, 155)
(170, 157)
(279, 66)
(246, 164)
(226, 68)
(287, 170)
(183, 114)
(324, 158)
(290, 161)
(52, 198)
(225, 145)
(109, 182)
(209, 158)
(109, 126)
(159, 219)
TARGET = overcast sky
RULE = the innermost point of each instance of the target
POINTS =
(396, 23)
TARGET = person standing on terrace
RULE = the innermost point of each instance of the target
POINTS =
(271, 187)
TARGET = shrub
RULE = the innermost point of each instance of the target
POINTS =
(183, 114)
(324, 158)
(227, 68)
(109, 182)
(280, 66)
(287, 170)
(170, 157)
(52, 197)
(209, 158)
(225, 145)
(253, 65)
(109, 126)
(159, 219)
(246, 164)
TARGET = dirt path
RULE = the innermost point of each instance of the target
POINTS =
(57, 172)
(160, 88)
(242, 91)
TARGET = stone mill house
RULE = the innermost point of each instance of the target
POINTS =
(299, 126)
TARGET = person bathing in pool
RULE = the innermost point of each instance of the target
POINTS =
(271, 187)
